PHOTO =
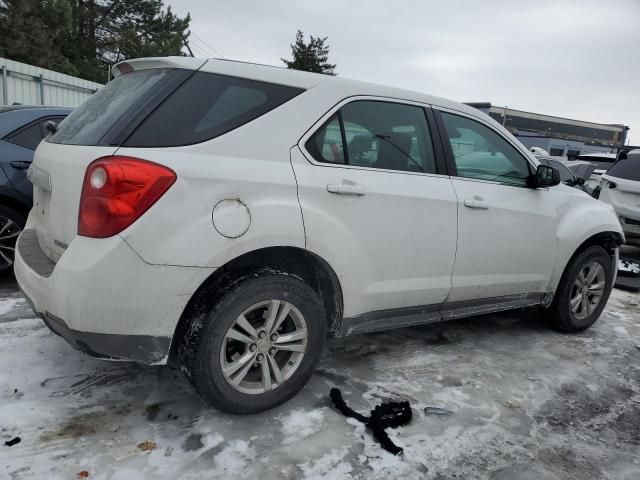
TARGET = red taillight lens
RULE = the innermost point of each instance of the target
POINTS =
(116, 191)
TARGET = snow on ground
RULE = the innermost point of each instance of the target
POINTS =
(528, 403)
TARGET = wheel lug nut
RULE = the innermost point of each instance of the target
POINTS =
(260, 357)
(253, 347)
(272, 351)
(274, 337)
(262, 334)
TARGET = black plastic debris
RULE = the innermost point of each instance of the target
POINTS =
(385, 415)
(437, 411)
(12, 442)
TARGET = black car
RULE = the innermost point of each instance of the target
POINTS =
(21, 129)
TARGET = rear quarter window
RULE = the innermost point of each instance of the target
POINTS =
(206, 106)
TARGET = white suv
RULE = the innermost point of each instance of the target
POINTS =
(232, 216)
(620, 187)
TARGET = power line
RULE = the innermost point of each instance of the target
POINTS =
(199, 52)
(207, 52)
(207, 45)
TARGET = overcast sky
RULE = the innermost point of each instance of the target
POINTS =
(578, 59)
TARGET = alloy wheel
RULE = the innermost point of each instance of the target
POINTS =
(587, 290)
(263, 347)
(9, 232)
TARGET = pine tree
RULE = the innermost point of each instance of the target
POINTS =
(32, 31)
(86, 37)
(310, 57)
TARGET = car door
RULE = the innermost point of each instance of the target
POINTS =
(506, 230)
(377, 206)
(20, 147)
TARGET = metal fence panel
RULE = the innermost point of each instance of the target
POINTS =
(29, 85)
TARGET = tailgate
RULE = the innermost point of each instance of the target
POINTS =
(57, 173)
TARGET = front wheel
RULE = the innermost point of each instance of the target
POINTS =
(583, 291)
(257, 345)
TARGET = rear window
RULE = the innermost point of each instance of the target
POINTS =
(206, 106)
(627, 168)
(92, 120)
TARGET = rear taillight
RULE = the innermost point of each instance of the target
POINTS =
(116, 191)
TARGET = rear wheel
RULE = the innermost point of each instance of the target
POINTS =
(11, 224)
(583, 291)
(258, 345)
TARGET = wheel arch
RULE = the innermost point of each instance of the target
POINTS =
(610, 240)
(306, 265)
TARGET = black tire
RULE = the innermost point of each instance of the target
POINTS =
(8, 237)
(200, 346)
(560, 315)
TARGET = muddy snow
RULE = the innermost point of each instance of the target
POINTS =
(526, 402)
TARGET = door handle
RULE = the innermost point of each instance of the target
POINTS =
(346, 189)
(477, 203)
(20, 164)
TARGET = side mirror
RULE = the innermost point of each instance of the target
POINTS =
(51, 127)
(545, 176)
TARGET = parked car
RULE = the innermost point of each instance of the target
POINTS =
(539, 152)
(232, 215)
(575, 173)
(602, 161)
(572, 173)
(21, 129)
(620, 187)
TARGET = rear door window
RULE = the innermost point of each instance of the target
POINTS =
(27, 137)
(206, 106)
(377, 134)
(92, 120)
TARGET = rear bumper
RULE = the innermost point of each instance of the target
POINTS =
(136, 348)
(103, 299)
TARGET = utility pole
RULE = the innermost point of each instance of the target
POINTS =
(504, 116)
(186, 44)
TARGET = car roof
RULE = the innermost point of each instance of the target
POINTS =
(44, 108)
(290, 77)
(331, 88)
